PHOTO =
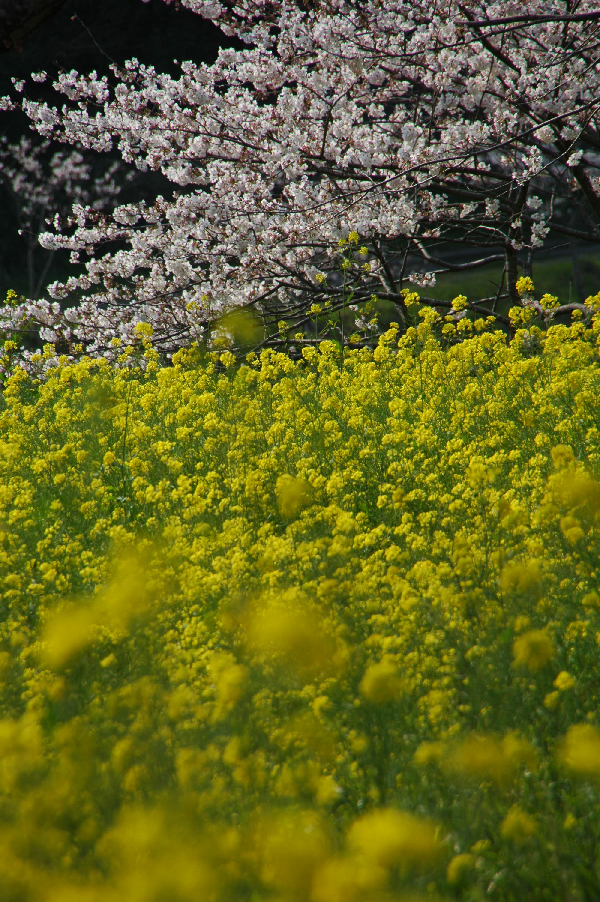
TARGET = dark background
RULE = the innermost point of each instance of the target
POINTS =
(153, 32)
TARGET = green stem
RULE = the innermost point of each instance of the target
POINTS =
(343, 320)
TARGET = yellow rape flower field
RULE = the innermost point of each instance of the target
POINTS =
(304, 632)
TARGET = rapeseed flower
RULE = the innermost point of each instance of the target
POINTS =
(533, 650)
(480, 757)
(293, 637)
(389, 837)
(291, 848)
(518, 826)
(258, 619)
(292, 494)
(381, 682)
(343, 879)
(525, 285)
(564, 681)
(460, 867)
(580, 750)
(520, 576)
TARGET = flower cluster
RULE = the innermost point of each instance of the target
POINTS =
(289, 630)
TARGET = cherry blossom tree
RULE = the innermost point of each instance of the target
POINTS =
(348, 152)
(43, 183)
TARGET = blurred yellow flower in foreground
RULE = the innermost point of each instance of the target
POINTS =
(293, 637)
(533, 650)
(520, 576)
(460, 866)
(291, 846)
(292, 495)
(342, 879)
(580, 750)
(389, 837)
(564, 681)
(75, 626)
(479, 757)
(381, 682)
(517, 825)
(429, 753)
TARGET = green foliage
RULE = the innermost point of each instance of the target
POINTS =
(302, 631)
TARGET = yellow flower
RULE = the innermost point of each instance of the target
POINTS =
(292, 847)
(564, 681)
(293, 637)
(75, 626)
(518, 751)
(518, 826)
(522, 622)
(591, 600)
(230, 678)
(292, 494)
(549, 301)
(480, 757)
(459, 868)
(533, 650)
(243, 326)
(144, 330)
(381, 682)
(524, 285)
(342, 879)
(328, 790)
(520, 576)
(551, 700)
(389, 837)
(213, 687)
(574, 488)
(571, 529)
(460, 303)
(429, 753)
(562, 456)
(580, 750)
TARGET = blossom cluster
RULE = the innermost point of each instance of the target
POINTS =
(311, 631)
(431, 126)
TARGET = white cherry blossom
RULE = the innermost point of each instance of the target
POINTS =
(425, 127)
